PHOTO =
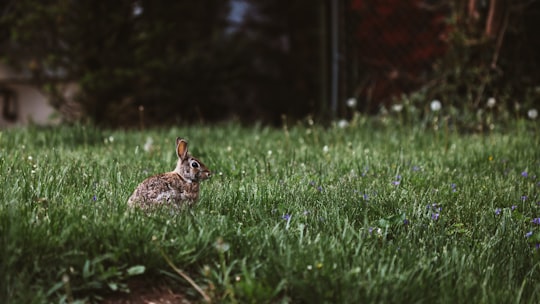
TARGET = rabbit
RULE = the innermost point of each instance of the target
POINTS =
(176, 188)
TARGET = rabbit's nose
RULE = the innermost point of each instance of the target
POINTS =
(204, 174)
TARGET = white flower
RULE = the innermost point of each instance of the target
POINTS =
(343, 123)
(325, 149)
(435, 105)
(532, 113)
(351, 102)
(491, 102)
(397, 107)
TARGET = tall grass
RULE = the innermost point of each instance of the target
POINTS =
(366, 213)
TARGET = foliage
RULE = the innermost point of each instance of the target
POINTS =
(479, 68)
(161, 61)
(395, 43)
(370, 212)
(462, 52)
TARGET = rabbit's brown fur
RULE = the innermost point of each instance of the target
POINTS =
(172, 188)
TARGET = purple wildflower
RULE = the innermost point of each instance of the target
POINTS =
(94, 198)
(406, 222)
(498, 211)
(536, 221)
(395, 183)
(416, 168)
(286, 217)
(435, 216)
(514, 207)
(453, 187)
(524, 198)
(365, 196)
(524, 174)
(312, 183)
(320, 189)
(528, 234)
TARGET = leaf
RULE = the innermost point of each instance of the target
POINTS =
(113, 286)
(55, 287)
(86, 270)
(136, 270)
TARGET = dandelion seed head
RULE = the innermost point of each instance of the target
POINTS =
(435, 105)
(397, 107)
(491, 102)
(221, 245)
(148, 144)
(343, 123)
(532, 113)
(352, 102)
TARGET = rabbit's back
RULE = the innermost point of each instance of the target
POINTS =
(164, 189)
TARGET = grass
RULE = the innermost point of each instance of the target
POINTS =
(368, 213)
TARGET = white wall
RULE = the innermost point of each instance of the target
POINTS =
(32, 105)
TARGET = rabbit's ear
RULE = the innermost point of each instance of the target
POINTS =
(181, 148)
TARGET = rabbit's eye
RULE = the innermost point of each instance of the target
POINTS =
(194, 164)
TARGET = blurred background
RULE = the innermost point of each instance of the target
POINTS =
(140, 63)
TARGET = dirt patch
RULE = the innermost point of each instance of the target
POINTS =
(143, 292)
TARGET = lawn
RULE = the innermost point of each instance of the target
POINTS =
(371, 212)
